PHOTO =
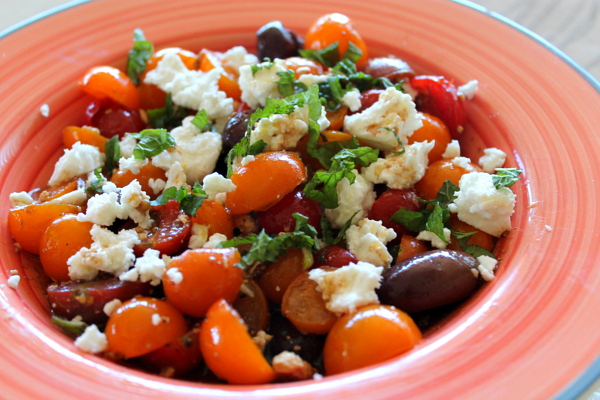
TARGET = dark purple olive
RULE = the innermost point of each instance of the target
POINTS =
(236, 128)
(274, 41)
(392, 68)
(429, 280)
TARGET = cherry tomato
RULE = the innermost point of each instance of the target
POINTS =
(438, 173)
(213, 214)
(334, 257)
(330, 136)
(228, 80)
(368, 336)
(433, 129)
(302, 66)
(278, 218)
(101, 82)
(410, 247)
(142, 325)
(333, 28)
(112, 118)
(52, 192)
(439, 97)
(228, 349)
(389, 203)
(149, 171)
(367, 99)
(481, 238)
(336, 118)
(172, 230)
(252, 306)
(85, 135)
(207, 276)
(179, 356)
(278, 276)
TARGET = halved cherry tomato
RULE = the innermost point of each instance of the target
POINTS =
(27, 224)
(367, 99)
(333, 28)
(228, 81)
(104, 81)
(279, 218)
(438, 173)
(264, 181)
(172, 230)
(53, 192)
(228, 349)
(303, 66)
(439, 97)
(213, 214)
(252, 306)
(178, 357)
(336, 118)
(188, 58)
(85, 135)
(389, 203)
(142, 325)
(147, 172)
(481, 238)
(410, 247)
(325, 137)
(278, 276)
(368, 336)
(333, 257)
(433, 129)
(112, 118)
(207, 276)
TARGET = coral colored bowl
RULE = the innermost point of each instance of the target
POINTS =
(528, 334)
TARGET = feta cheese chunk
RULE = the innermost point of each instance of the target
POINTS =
(468, 89)
(92, 340)
(157, 185)
(481, 205)
(395, 111)
(13, 282)
(103, 209)
(256, 88)
(367, 242)
(176, 176)
(358, 196)
(214, 240)
(310, 79)
(175, 275)
(81, 159)
(401, 171)
(148, 268)
(136, 204)
(493, 158)
(20, 199)
(112, 253)
(486, 267)
(462, 162)
(127, 144)
(132, 164)
(45, 110)
(452, 150)
(236, 57)
(215, 184)
(111, 306)
(199, 236)
(352, 100)
(435, 239)
(347, 288)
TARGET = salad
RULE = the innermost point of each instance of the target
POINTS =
(240, 218)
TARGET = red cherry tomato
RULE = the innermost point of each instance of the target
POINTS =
(367, 99)
(173, 230)
(439, 97)
(181, 355)
(391, 201)
(112, 118)
(334, 257)
(279, 217)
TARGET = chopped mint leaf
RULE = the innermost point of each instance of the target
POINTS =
(287, 85)
(329, 56)
(352, 53)
(463, 237)
(71, 328)
(168, 117)
(436, 220)
(414, 221)
(112, 150)
(257, 67)
(201, 122)
(188, 202)
(477, 251)
(329, 235)
(242, 149)
(446, 194)
(151, 142)
(387, 128)
(506, 177)
(96, 184)
(138, 56)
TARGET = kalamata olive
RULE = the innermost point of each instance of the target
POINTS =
(391, 201)
(386, 67)
(279, 217)
(236, 128)
(87, 299)
(334, 257)
(112, 118)
(429, 280)
(275, 41)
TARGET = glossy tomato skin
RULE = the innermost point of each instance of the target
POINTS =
(172, 231)
(334, 257)
(367, 99)
(279, 217)
(179, 356)
(112, 118)
(389, 203)
(439, 97)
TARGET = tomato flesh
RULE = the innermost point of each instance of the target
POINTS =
(279, 217)
(112, 118)
(172, 230)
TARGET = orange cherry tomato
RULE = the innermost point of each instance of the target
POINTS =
(228, 80)
(278, 276)
(85, 135)
(481, 238)
(433, 129)
(438, 173)
(213, 214)
(151, 96)
(264, 181)
(333, 28)
(188, 58)
(208, 275)
(368, 336)
(303, 66)
(62, 239)
(410, 247)
(104, 81)
(228, 349)
(133, 330)
(53, 192)
(147, 172)
(336, 118)
(27, 224)
(253, 307)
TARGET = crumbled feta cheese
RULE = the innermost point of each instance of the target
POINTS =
(394, 110)
(452, 150)
(157, 185)
(192, 89)
(20, 199)
(462, 162)
(246, 160)
(256, 88)
(358, 196)
(175, 275)
(110, 187)
(289, 366)
(486, 267)
(79, 160)
(481, 205)
(347, 288)
(103, 209)
(352, 100)
(132, 164)
(310, 79)
(136, 204)
(237, 56)
(435, 239)
(13, 281)
(548, 228)
(111, 306)
(199, 236)
(148, 268)
(156, 319)
(45, 110)
(214, 240)
(367, 242)
(109, 253)
(77, 318)
(75, 198)
(401, 171)
(216, 183)
(282, 131)
(92, 340)
(468, 89)
(127, 144)
(176, 176)
(493, 158)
